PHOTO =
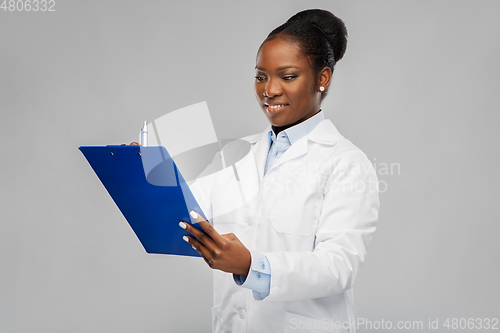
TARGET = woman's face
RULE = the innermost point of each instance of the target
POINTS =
(285, 85)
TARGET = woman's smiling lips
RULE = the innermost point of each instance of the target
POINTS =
(275, 107)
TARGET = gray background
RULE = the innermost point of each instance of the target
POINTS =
(418, 87)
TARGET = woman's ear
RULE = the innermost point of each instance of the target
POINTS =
(325, 77)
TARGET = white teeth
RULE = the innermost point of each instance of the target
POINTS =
(275, 106)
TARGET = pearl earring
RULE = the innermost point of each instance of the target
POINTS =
(321, 88)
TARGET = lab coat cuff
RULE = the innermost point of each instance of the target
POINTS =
(274, 283)
(260, 263)
(258, 279)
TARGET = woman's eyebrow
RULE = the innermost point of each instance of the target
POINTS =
(282, 68)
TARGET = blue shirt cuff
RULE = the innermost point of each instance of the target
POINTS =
(259, 276)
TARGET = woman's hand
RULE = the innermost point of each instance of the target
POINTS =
(223, 252)
(134, 144)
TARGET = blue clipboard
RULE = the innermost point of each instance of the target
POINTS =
(152, 201)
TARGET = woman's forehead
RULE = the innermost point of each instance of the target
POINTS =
(279, 53)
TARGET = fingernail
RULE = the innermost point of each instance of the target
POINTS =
(185, 238)
(182, 225)
(193, 214)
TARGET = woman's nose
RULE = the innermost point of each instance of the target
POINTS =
(273, 89)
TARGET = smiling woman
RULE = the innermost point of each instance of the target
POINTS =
(286, 85)
(295, 65)
(286, 256)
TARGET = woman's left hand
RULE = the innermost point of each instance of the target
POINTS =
(224, 252)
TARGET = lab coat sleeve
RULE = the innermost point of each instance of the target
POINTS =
(347, 221)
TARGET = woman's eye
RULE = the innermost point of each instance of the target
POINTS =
(260, 78)
(289, 77)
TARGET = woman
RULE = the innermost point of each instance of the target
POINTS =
(286, 259)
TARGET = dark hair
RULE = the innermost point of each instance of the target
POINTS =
(321, 35)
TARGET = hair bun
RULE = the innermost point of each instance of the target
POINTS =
(331, 26)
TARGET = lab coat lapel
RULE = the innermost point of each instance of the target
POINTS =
(296, 150)
(251, 168)
(253, 181)
(260, 150)
(272, 182)
(325, 133)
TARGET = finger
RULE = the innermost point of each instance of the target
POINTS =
(199, 235)
(209, 229)
(134, 144)
(230, 236)
(200, 248)
(209, 263)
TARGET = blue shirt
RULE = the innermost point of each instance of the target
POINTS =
(259, 275)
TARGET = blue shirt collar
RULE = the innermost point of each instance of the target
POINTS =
(299, 130)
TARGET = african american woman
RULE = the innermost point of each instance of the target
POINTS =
(287, 256)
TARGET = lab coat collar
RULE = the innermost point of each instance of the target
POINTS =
(256, 137)
(324, 133)
(297, 131)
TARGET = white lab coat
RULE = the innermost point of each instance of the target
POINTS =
(313, 215)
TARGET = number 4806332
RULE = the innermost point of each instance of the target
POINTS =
(28, 5)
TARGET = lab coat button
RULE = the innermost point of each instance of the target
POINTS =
(242, 314)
